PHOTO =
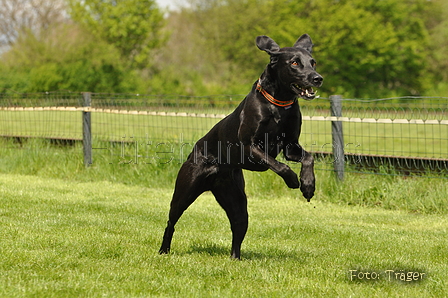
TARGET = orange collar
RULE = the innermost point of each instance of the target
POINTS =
(271, 99)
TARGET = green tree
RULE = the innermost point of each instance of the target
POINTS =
(65, 57)
(134, 27)
(364, 48)
(437, 22)
(212, 46)
(372, 48)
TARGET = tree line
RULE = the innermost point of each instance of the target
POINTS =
(364, 48)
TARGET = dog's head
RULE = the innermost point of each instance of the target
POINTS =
(294, 67)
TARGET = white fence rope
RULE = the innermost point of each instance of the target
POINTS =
(221, 116)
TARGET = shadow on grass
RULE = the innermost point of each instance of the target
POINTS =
(213, 249)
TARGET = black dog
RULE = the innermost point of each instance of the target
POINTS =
(266, 122)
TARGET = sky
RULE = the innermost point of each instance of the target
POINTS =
(171, 4)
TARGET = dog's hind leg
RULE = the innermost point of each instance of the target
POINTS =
(190, 183)
(228, 189)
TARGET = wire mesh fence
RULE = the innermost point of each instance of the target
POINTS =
(408, 133)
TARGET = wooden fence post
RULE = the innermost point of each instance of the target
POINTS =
(87, 131)
(337, 136)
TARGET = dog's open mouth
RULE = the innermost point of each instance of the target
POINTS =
(304, 92)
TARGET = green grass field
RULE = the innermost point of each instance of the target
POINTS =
(67, 238)
(71, 231)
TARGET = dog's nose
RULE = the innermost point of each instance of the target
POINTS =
(317, 79)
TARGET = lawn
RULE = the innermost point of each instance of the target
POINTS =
(71, 231)
(69, 238)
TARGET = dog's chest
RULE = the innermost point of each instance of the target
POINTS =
(280, 118)
(275, 127)
(276, 115)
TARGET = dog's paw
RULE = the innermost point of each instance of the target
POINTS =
(292, 180)
(307, 190)
(164, 251)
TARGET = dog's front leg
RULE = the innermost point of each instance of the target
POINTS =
(256, 155)
(295, 152)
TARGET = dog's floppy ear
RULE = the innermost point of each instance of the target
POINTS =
(267, 44)
(305, 43)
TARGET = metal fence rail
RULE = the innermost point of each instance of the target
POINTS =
(409, 134)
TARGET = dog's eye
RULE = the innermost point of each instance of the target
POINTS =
(313, 63)
(294, 63)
